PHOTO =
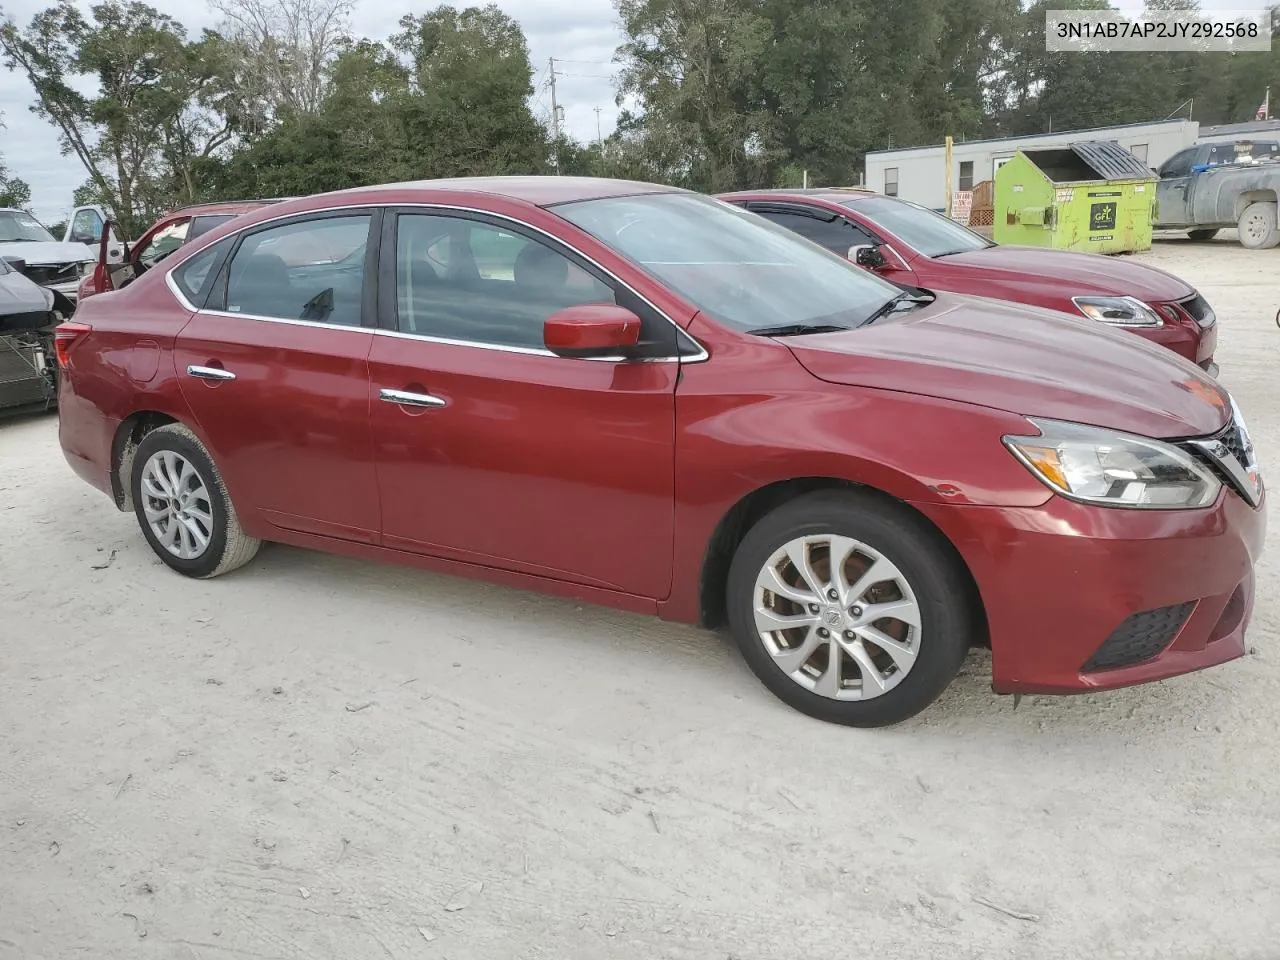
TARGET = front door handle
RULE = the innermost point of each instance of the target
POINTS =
(210, 373)
(405, 398)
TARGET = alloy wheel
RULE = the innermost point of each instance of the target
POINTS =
(177, 505)
(837, 617)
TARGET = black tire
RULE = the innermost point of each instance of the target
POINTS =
(228, 545)
(1201, 236)
(1257, 226)
(930, 565)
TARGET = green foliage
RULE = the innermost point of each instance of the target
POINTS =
(153, 114)
(13, 191)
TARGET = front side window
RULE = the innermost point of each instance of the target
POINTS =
(966, 175)
(1179, 165)
(735, 266)
(836, 234)
(17, 226)
(891, 181)
(308, 270)
(166, 240)
(923, 230)
(475, 282)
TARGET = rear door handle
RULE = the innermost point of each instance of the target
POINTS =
(210, 373)
(405, 398)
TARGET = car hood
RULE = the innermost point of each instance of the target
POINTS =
(38, 253)
(1079, 273)
(1023, 360)
(23, 304)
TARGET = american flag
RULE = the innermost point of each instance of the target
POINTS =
(1264, 111)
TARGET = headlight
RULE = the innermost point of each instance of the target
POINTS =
(1114, 469)
(1118, 311)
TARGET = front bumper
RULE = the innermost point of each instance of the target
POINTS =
(69, 289)
(1061, 584)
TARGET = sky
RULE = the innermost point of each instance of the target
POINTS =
(580, 34)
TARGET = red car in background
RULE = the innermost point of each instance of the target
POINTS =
(164, 237)
(916, 247)
(647, 398)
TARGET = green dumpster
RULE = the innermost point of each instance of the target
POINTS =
(1094, 196)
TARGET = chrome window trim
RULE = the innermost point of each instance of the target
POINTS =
(699, 357)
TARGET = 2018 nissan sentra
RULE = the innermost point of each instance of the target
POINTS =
(916, 247)
(648, 398)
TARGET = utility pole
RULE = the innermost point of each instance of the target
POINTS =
(599, 136)
(555, 113)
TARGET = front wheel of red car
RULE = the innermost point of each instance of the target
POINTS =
(183, 507)
(850, 608)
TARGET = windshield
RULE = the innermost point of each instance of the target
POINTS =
(927, 232)
(17, 226)
(736, 266)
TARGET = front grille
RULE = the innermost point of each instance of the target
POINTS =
(1200, 310)
(1143, 636)
(24, 378)
(50, 274)
(1229, 454)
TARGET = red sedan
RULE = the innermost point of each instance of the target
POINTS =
(913, 246)
(647, 398)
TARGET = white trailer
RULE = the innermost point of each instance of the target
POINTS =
(919, 173)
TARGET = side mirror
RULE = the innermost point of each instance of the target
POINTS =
(17, 263)
(591, 330)
(868, 256)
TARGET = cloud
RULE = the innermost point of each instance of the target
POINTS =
(580, 34)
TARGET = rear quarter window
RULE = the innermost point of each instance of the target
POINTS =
(195, 275)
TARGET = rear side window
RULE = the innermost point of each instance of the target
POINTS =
(193, 277)
(202, 225)
(309, 270)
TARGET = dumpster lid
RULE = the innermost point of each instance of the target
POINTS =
(1090, 160)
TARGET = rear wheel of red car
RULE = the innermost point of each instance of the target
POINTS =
(183, 506)
(1257, 226)
(850, 608)
(1201, 236)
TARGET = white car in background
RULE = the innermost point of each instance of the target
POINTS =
(51, 263)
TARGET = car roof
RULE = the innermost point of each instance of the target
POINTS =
(541, 191)
(840, 195)
(223, 206)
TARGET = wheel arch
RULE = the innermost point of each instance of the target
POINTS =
(123, 447)
(1247, 198)
(757, 504)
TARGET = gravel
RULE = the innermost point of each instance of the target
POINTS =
(522, 752)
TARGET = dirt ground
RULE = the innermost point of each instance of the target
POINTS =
(326, 758)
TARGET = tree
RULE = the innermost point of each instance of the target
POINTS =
(467, 108)
(285, 49)
(153, 114)
(691, 64)
(13, 192)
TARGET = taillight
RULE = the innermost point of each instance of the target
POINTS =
(66, 336)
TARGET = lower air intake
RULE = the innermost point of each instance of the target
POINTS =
(1142, 637)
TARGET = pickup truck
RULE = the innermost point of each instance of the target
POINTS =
(85, 226)
(1214, 185)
